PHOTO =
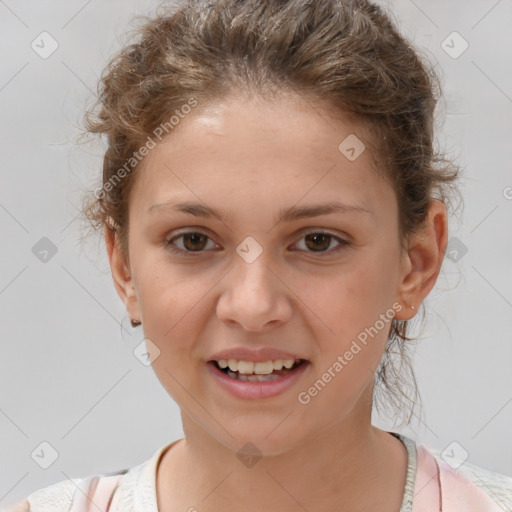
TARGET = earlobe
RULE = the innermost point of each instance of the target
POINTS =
(423, 260)
(121, 274)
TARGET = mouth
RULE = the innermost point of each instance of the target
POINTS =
(249, 371)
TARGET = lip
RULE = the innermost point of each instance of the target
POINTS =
(256, 390)
(255, 355)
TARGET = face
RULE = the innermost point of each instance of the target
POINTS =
(263, 271)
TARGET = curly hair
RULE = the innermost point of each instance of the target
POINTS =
(347, 53)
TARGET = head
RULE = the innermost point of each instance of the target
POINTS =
(251, 110)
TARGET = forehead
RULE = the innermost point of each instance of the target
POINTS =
(252, 149)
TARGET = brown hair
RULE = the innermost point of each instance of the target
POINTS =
(347, 53)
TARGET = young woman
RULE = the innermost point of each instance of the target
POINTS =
(275, 213)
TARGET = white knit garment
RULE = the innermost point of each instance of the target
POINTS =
(137, 489)
(56, 497)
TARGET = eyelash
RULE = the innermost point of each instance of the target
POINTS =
(194, 254)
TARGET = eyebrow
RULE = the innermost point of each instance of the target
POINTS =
(285, 215)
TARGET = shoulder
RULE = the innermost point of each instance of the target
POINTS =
(22, 506)
(123, 490)
(496, 485)
(70, 495)
(56, 497)
(467, 476)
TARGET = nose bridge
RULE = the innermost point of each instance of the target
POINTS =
(252, 296)
(252, 275)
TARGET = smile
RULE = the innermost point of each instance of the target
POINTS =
(257, 372)
(250, 380)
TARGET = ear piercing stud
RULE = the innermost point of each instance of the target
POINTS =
(135, 323)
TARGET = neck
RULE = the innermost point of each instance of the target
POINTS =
(345, 468)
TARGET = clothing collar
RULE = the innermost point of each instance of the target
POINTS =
(137, 489)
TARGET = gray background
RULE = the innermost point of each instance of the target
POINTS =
(68, 376)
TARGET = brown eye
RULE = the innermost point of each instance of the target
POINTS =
(191, 242)
(320, 242)
(194, 241)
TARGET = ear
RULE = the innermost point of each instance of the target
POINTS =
(423, 259)
(123, 279)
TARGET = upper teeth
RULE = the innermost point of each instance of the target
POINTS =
(260, 368)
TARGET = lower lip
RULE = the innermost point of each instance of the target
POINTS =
(254, 390)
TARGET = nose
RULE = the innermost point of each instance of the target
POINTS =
(254, 297)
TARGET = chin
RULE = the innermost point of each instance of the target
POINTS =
(261, 438)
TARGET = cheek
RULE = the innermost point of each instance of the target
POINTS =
(173, 316)
(350, 300)
(355, 309)
(169, 300)
(358, 312)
